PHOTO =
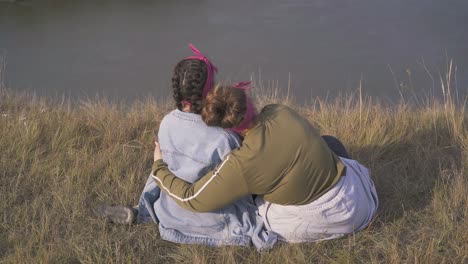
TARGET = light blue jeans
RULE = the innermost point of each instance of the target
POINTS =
(191, 149)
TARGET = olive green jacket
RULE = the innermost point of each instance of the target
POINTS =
(282, 158)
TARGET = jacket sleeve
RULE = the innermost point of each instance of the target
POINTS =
(215, 190)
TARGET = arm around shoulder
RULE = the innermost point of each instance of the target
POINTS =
(215, 190)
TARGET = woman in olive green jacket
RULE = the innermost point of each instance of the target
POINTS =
(304, 191)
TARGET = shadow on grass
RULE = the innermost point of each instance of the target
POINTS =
(406, 172)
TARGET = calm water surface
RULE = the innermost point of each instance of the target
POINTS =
(127, 49)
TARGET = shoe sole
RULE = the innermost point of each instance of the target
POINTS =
(116, 214)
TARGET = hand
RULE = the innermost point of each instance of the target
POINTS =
(157, 151)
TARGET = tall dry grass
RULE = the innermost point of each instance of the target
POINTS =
(58, 160)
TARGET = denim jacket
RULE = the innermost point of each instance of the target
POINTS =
(191, 149)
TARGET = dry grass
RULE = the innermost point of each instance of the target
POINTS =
(59, 160)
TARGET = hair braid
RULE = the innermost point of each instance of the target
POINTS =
(188, 82)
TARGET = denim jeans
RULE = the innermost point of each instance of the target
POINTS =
(191, 149)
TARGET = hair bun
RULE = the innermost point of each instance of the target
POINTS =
(224, 107)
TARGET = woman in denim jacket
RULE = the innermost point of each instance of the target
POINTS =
(191, 149)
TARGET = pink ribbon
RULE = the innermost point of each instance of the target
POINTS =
(211, 69)
(186, 103)
(250, 112)
(243, 85)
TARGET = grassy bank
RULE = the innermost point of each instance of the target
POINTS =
(58, 161)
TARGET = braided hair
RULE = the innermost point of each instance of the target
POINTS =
(188, 82)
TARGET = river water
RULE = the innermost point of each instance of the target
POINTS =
(320, 48)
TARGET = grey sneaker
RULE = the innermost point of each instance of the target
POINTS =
(118, 214)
